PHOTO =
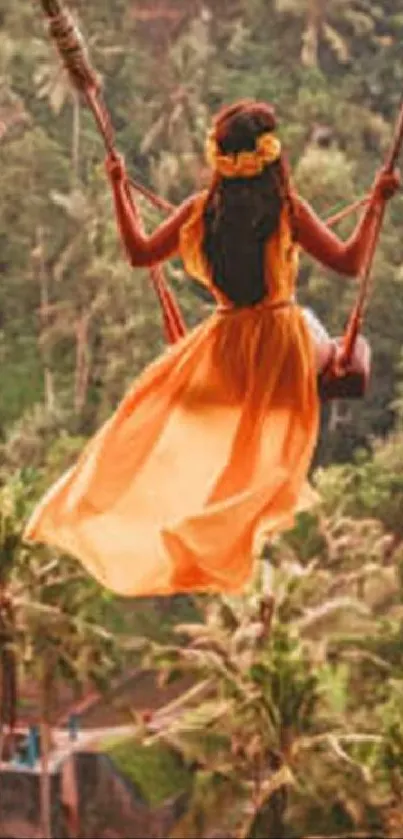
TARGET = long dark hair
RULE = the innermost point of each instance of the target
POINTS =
(242, 213)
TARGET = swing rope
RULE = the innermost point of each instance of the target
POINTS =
(356, 319)
(72, 49)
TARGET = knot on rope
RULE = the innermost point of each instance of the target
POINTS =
(71, 46)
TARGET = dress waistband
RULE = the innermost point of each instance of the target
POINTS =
(266, 303)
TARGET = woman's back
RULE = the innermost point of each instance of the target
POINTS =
(278, 263)
(244, 205)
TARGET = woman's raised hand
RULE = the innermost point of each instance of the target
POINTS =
(116, 168)
(386, 184)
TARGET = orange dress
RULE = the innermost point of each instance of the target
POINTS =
(211, 445)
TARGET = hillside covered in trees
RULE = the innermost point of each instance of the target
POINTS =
(77, 324)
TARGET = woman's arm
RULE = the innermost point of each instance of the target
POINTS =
(142, 249)
(344, 257)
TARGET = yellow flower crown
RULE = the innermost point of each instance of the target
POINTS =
(245, 164)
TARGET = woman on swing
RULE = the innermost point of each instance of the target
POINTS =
(213, 442)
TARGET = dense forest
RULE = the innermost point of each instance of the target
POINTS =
(304, 731)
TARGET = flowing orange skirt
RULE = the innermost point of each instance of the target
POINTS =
(211, 445)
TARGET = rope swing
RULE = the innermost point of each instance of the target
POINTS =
(338, 381)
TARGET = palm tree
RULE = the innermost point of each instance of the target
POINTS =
(315, 16)
(268, 726)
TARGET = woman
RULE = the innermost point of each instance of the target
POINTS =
(213, 442)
